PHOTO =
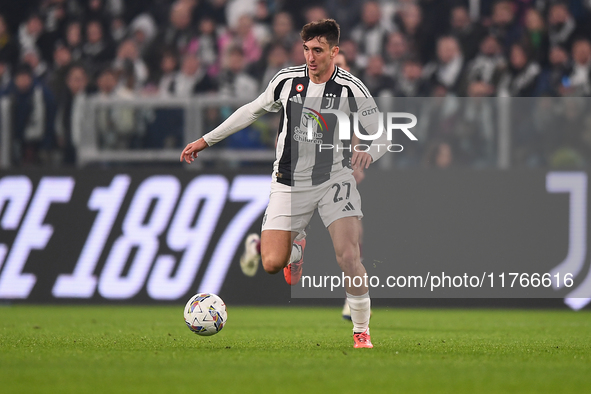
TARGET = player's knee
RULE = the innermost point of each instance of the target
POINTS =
(273, 263)
(348, 257)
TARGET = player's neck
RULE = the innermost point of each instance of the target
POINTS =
(318, 79)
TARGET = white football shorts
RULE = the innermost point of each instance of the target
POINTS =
(291, 207)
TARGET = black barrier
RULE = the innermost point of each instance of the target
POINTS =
(133, 236)
(150, 236)
(465, 234)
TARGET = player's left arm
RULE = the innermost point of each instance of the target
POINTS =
(359, 160)
(369, 120)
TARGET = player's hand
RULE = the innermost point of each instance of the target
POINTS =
(359, 175)
(191, 150)
(361, 160)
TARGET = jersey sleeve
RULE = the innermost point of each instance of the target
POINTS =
(245, 115)
(269, 99)
(369, 118)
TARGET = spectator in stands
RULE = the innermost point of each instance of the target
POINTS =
(277, 59)
(488, 66)
(374, 78)
(178, 35)
(521, 77)
(95, 10)
(409, 22)
(107, 84)
(346, 12)
(8, 46)
(32, 108)
(5, 77)
(118, 30)
(475, 132)
(190, 80)
(235, 9)
(61, 33)
(315, 13)
(38, 66)
(261, 23)
(242, 36)
(142, 30)
(553, 80)
(349, 49)
(98, 51)
(129, 63)
(70, 114)
(468, 33)
(55, 16)
(29, 32)
(56, 79)
(234, 81)
(341, 61)
(504, 25)
(395, 54)
(410, 82)
(215, 9)
(74, 40)
(116, 126)
(480, 89)
(562, 27)
(579, 79)
(205, 45)
(263, 14)
(369, 35)
(296, 54)
(435, 21)
(535, 36)
(296, 9)
(447, 70)
(283, 32)
(165, 75)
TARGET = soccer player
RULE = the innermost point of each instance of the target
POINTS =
(305, 177)
(341, 61)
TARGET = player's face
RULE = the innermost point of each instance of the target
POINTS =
(319, 57)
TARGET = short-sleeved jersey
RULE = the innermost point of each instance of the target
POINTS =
(299, 160)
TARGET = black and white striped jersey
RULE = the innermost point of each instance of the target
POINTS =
(299, 160)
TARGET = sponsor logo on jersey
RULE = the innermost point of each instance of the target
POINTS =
(317, 117)
(296, 99)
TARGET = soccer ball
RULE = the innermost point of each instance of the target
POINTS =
(205, 314)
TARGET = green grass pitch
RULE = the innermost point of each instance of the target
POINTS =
(133, 349)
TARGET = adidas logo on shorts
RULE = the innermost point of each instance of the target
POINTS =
(348, 207)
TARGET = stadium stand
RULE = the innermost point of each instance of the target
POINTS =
(60, 60)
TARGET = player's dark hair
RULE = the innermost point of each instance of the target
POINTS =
(327, 28)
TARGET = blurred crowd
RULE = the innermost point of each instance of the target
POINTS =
(54, 54)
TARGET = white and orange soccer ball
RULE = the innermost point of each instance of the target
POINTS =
(205, 314)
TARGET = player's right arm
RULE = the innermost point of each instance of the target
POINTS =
(191, 150)
(242, 117)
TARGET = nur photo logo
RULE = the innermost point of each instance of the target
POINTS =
(344, 127)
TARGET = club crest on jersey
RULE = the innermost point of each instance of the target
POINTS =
(330, 100)
(299, 88)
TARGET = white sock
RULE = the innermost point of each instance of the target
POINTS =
(360, 311)
(296, 253)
